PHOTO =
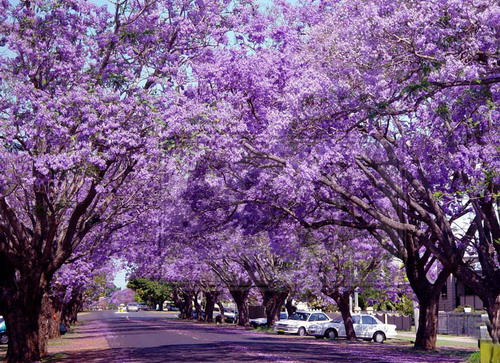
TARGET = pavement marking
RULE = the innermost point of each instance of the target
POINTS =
(195, 338)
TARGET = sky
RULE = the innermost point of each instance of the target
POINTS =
(120, 280)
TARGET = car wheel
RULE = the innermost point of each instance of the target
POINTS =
(331, 334)
(379, 337)
(4, 339)
(302, 331)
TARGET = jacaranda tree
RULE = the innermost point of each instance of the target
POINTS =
(86, 96)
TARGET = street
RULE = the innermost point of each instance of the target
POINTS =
(161, 337)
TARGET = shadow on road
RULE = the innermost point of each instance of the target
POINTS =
(271, 351)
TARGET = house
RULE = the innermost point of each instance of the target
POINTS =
(455, 293)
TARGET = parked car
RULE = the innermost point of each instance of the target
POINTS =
(132, 307)
(230, 316)
(4, 339)
(142, 306)
(366, 327)
(263, 321)
(299, 322)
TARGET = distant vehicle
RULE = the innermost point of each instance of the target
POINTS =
(366, 327)
(142, 306)
(299, 322)
(4, 338)
(132, 307)
(263, 321)
(122, 308)
(230, 316)
(170, 306)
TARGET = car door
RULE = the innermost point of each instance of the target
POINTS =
(312, 319)
(367, 327)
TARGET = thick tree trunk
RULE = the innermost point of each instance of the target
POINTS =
(427, 321)
(160, 305)
(22, 317)
(70, 310)
(427, 293)
(273, 301)
(209, 307)
(187, 306)
(197, 306)
(44, 324)
(240, 297)
(342, 301)
(184, 302)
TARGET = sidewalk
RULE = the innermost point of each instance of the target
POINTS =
(89, 336)
(445, 340)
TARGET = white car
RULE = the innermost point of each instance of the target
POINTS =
(263, 321)
(132, 307)
(366, 327)
(299, 322)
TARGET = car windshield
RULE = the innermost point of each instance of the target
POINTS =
(283, 315)
(299, 316)
(338, 320)
(1, 320)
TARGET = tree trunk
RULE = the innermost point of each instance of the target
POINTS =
(221, 308)
(160, 304)
(197, 306)
(22, 317)
(290, 309)
(240, 297)
(427, 321)
(209, 307)
(187, 306)
(69, 314)
(493, 309)
(273, 301)
(44, 324)
(342, 301)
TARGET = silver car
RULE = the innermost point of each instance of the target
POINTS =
(366, 327)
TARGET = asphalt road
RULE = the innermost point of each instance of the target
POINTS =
(160, 337)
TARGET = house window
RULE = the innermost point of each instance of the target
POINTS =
(468, 291)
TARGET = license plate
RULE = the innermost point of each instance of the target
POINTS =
(281, 330)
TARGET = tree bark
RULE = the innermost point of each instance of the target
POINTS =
(187, 306)
(22, 317)
(290, 309)
(428, 321)
(44, 324)
(209, 307)
(240, 297)
(273, 301)
(197, 306)
(69, 314)
(493, 310)
(221, 308)
(342, 300)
